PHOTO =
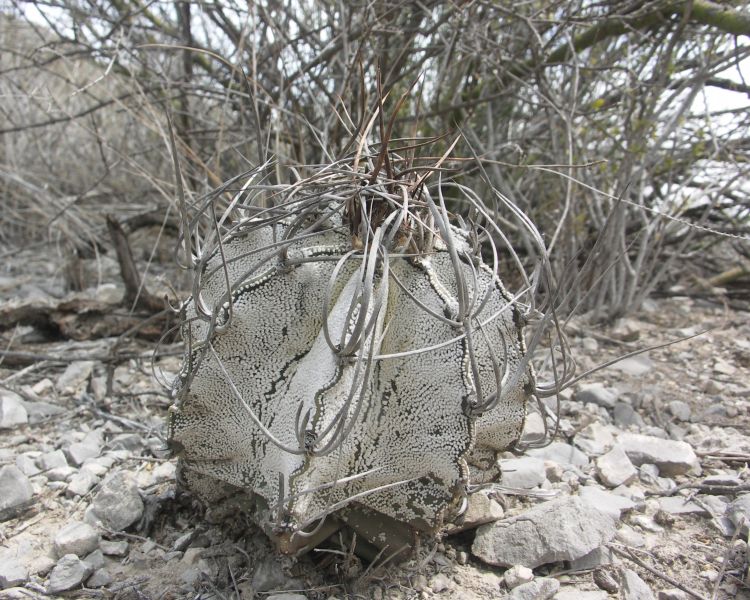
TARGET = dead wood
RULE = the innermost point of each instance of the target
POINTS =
(79, 318)
(136, 294)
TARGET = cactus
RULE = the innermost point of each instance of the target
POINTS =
(350, 352)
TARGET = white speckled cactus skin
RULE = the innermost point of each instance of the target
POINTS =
(349, 375)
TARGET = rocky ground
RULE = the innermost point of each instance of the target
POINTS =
(645, 493)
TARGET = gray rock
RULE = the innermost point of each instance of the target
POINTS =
(52, 460)
(95, 467)
(89, 447)
(594, 439)
(182, 542)
(635, 366)
(27, 465)
(630, 537)
(269, 575)
(598, 394)
(74, 376)
(542, 588)
(634, 588)
(525, 472)
(561, 453)
(561, 529)
(716, 506)
(482, 509)
(60, 473)
(12, 573)
(729, 479)
(76, 538)
(574, 594)
(739, 510)
(69, 572)
(39, 411)
(127, 441)
(287, 596)
(646, 523)
(440, 583)
(109, 293)
(81, 483)
(12, 411)
(672, 458)
(680, 410)
(100, 578)
(634, 493)
(533, 427)
(17, 492)
(671, 594)
(624, 416)
(113, 548)
(678, 505)
(589, 344)
(596, 558)
(615, 468)
(95, 560)
(118, 503)
(608, 502)
(517, 575)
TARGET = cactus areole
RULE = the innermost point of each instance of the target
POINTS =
(349, 353)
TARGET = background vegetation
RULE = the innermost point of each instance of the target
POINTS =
(619, 127)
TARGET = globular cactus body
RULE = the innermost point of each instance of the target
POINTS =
(331, 376)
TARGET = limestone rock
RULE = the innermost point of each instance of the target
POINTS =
(635, 366)
(89, 447)
(634, 588)
(482, 509)
(114, 548)
(81, 483)
(672, 458)
(598, 394)
(27, 465)
(608, 502)
(76, 538)
(52, 460)
(99, 578)
(12, 573)
(561, 529)
(74, 376)
(561, 453)
(575, 594)
(678, 505)
(12, 411)
(596, 558)
(16, 493)
(615, 468)
(624, 416)
(517, 575)
(533, 427)
(69, 572)
(738, 510)
(594, 439)
(440, 583)
(525, 472)
(118, 503)
(680, 410)
(542, 588)
(672, 594)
